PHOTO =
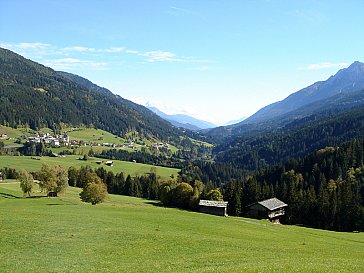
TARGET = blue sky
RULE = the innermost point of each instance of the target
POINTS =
(217, 60)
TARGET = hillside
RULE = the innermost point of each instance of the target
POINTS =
(131, 235)
(31, 163)
(344, 81)
(327, 122)
(36, 96)
(295, 139)
(341, 92)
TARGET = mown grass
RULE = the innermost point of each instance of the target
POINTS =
(128, 234)
(35, 163)
(95, 135)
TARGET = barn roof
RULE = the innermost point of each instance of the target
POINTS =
(209, 203)
(273, 204)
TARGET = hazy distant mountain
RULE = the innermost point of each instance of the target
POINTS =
(345, 80)
(231, 122)
(183, 121)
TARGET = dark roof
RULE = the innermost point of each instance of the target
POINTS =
(273, 204)
(209, 203)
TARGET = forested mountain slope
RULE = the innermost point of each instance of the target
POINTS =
(295, 139)
(37, 96)
(344, 81)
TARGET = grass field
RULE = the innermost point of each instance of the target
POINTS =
(128, 234)
(95, 135)
(26, 162)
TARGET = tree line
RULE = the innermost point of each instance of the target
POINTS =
(323, 190)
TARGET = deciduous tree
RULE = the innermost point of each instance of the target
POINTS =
(26, 181)
(53, 178)
(94, 191)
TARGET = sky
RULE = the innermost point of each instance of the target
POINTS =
(217, 60)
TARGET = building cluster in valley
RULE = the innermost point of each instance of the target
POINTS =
(58, 140)
(47, 138)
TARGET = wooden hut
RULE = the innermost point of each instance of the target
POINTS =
(213, 207)
(109, 163)
(271, 209)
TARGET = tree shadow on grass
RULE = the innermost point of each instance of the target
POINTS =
(9, 196)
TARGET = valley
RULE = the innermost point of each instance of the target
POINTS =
(181, 136)
(258, 158)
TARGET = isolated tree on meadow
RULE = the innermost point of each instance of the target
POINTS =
(95, 191)
(26, 181)
(53, 179)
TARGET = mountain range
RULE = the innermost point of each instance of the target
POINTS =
(336, 93)
(183, 121)
(344, 81)
(326, 113)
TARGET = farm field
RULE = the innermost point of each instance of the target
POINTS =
(31, 164)
(128, 234)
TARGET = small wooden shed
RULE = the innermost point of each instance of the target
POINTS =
(109, 163)
(271, 209)
(213, 207)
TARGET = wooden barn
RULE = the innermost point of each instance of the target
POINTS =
(271, 209)
(213, 207)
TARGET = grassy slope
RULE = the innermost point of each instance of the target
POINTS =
(86, 134)
(95, 135)
(131, 235)
(25, 162)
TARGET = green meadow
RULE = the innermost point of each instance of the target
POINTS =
(92, 135)
(95, 135)
(35, 163)
(128, 234)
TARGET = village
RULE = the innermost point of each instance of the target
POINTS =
(64, 140)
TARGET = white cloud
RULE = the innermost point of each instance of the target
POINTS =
(79, 49)
(29, 49)
(46, 52)
(166, 56)
(324, 65)
(83, 49)
(129, 51)
(160, 56)
(36, 45)
(72, 63)
(114, 49)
